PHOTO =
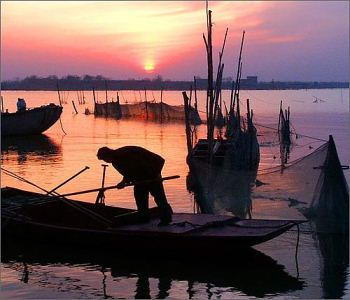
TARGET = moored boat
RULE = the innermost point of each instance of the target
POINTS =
(33, 216)
(30, 121)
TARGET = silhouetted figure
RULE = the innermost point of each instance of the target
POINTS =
(21, 105)
(137, 164)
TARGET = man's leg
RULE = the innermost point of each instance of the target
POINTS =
(157, 191)
(141, 198)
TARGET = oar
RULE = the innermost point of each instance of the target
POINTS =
(69, 179)
(115, 186)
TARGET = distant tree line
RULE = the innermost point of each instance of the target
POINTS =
(99, 82)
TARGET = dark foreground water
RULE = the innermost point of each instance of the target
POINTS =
(269, 270)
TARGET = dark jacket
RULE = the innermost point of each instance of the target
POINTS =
(136, 163)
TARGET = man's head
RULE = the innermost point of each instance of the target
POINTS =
(105, 154)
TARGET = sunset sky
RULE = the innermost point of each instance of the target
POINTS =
(296, 40)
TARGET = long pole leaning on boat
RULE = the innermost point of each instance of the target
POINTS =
(82, 209)
(115, 186)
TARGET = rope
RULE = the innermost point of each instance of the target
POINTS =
(296, 250)
(278, 168)
(62, 126)
(298, 134)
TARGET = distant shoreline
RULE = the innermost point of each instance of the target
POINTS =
(75, 83)
(169, 89)
(306, 87)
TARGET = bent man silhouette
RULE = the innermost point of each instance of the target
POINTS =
(137, 164)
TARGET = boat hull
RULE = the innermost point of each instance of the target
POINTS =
(136, 241)
(70, 222)
(30, 122)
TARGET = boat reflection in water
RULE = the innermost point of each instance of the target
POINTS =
(33, 148)
(334, 250)
(242, 274)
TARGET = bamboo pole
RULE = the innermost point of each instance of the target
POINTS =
(106, 92)
(210, 97)
(161, 105)
(235, 84)
(59, 95)
(195, 94)
(74, 107)
(279, 118)
(146, 104)
(190, 102)
(217, 90)
(93, 93)
(217, 93)
(2, 103)
(187, 123)
(249, 121)
(237, 99)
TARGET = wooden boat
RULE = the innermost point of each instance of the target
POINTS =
(34, 216)
(31, 121)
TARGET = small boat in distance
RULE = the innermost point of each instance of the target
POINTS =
(51, 219)
(30, 121)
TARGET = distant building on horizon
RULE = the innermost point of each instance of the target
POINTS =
(250, 81)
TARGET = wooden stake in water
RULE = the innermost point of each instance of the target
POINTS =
(59, 95)
(161, 105)
(187, 123)
(2, 104)
(93, 92)
(74, 107)
(146, 104)
(106, 91)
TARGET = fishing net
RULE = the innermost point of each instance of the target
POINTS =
(314, 185)
(158, 111)
(110, 109)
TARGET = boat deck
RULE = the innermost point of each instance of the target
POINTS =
(213, 225)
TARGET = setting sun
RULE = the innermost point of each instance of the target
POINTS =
(149, 66)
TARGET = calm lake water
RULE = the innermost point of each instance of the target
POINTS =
(27, 272)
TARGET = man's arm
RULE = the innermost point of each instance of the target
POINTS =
(123, 183)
